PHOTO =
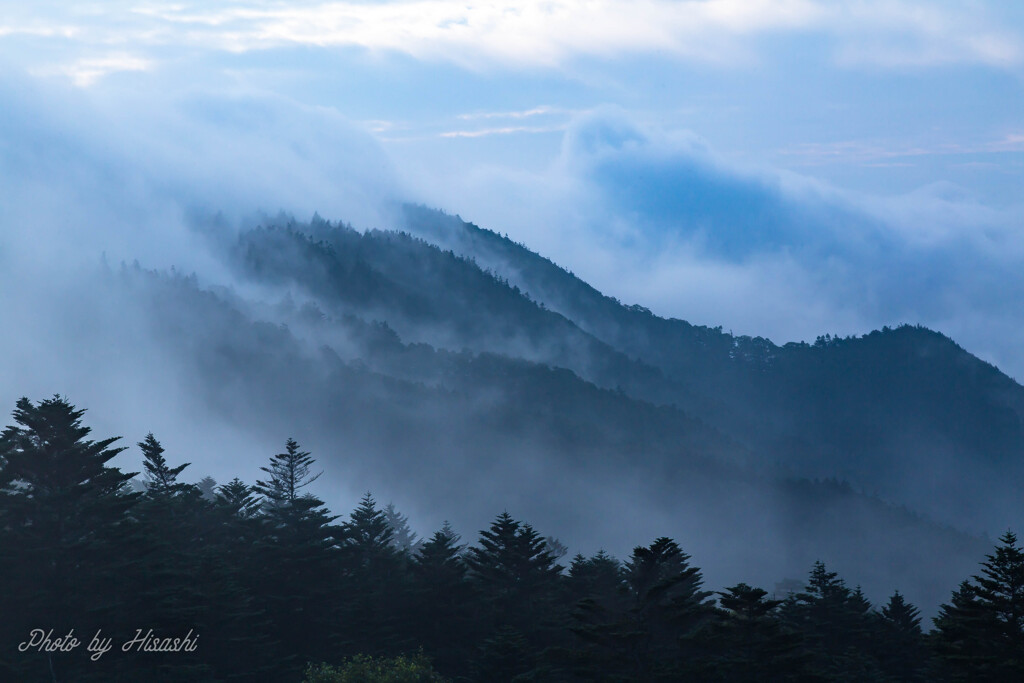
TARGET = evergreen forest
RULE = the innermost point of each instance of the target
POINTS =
(110, 577)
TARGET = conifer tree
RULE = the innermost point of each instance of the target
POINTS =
(238, 498)
(369, 535)
(668, 605)
(289, 474)
(900, 643)
(403, 537)
(836, 625)
(161, 480)
(376, 577)
(649, 632)
(599, 601)
(236, 537)
(208, 487)
(749, 643)
(173, 594)
(298, 555)
(518, 581)
(513, 568)
(442, 602)
(597, 578)
(67, 534)
(980, 634)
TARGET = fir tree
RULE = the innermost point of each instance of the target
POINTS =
(668, 606)
(901, 649)
(748, 642)
(161, 480)
(513, 567)
(67, 534)
(647, 630)
(174, 592)
(597, 578)
(403, 537)
(377, 581)
(208, 487)
(597, 593)
(238, 498)
(299, 560)
(518, 580)
(836, 624)
(980, 634)
(442, 602)
(289, 474)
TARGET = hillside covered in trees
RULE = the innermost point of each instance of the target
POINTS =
(444, 362)
(167, 581)
(458, 374)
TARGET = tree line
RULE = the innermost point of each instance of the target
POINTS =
(103, 580)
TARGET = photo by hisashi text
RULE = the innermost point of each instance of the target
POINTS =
(40, 640)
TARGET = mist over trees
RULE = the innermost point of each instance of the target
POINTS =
(462, 376)
(447, 348)
(263, 582)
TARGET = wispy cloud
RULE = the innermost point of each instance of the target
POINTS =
(877, 153)
(86, 72)
(1011, 142)
(550, 33)
(45, 30)
(901, 34)
(542, 110)
(505, 130)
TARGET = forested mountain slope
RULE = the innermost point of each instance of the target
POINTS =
(904, 412)
(431, 376)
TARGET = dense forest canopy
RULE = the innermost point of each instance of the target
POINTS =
(107, 580)
(443, 353)
(456, 372)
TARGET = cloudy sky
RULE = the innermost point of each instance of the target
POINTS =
(782, 168)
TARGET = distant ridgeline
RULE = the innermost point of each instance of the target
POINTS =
(904, 413)
(444, 362)
(109, 579)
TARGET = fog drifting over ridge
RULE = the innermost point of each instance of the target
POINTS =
(89, 185)
(651, 215)
(703, 192)
(658, 218)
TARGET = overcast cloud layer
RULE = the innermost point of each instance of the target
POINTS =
(782, 168)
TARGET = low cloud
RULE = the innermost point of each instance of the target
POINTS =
(658, 218)
(88, 180)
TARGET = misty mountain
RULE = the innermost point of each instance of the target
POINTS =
(462, 374)
(903, 412)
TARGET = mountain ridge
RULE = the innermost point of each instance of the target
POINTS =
(429, 376)
(979, 414)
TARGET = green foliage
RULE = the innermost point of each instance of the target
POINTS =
(414, 668)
